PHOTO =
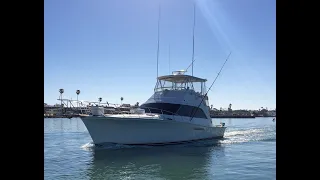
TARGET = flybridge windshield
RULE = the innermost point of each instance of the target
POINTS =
(168, 85)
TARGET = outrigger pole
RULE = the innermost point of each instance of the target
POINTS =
(209, 88)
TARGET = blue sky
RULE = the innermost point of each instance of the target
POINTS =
(108, 49)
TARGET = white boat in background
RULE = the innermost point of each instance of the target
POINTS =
(177, 112)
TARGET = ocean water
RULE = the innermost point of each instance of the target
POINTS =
(247, 152)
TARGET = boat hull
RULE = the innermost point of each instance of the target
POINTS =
(135, 131)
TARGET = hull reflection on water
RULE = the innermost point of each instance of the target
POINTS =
(168, 162)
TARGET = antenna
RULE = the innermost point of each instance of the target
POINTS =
(169, 58)
(194, 23)
(209, 87)
(158, 40)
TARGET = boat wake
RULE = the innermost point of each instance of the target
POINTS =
(91, 146)
(203, 143)
(235, 135)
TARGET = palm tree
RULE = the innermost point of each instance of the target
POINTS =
(61, 92)
(137, 104)
(78, 92)
(121, 100)
(100, 99)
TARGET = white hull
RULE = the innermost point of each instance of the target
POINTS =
(146, 130)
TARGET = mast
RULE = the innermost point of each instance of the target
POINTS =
(158, 41)
(194, 23)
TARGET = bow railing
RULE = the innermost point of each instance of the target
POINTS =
(149, 113)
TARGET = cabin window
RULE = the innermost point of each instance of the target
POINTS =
(191, 111)
(171, 109)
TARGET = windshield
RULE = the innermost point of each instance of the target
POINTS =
(168, 85)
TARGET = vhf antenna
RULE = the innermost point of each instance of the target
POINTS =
(158, 41)
(194, 23)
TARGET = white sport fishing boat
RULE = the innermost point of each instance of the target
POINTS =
(177, 112)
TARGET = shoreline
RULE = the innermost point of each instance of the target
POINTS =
(215, 117)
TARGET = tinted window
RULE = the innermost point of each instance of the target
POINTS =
(191, 111)
(168, 108)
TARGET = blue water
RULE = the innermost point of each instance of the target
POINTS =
(248, 151)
